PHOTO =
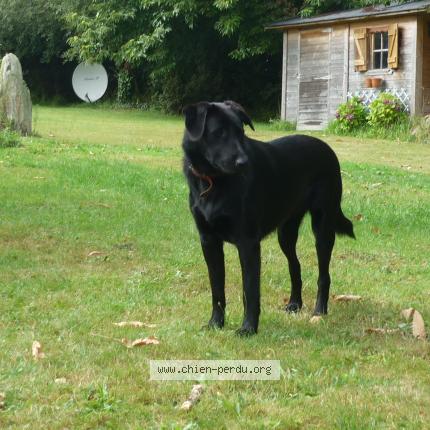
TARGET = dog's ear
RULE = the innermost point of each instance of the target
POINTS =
(240, 112)
(195, 119)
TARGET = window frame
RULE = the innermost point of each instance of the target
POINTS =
(372, 32)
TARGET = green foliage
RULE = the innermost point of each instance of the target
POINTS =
(421, 128)
(281, 125)
(113, 31)
(385, 110)
(188, 50)
(350, 115)
(384, 119)
(397, 132)
(34, 29)
(99, 399)
(9, 138)
(125, 81)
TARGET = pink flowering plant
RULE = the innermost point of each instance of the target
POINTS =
(350, 115)
(385, 110)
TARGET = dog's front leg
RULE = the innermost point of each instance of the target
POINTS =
(250, 261)
(214, 256)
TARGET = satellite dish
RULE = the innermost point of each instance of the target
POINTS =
(90, 82)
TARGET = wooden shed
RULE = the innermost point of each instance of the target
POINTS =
(331, 57)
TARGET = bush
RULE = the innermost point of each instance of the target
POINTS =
(384, 119)
(281, 125)
(421, 128)
(385, 111)
(9, 138)
(349, 116)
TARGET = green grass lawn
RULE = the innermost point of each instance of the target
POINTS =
(110, 181)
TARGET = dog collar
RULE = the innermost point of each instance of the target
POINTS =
(203, 177)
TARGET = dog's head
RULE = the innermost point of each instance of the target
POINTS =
(215, 131)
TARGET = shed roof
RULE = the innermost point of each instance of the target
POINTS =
(355, 14)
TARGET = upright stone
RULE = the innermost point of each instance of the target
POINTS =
(15, 99)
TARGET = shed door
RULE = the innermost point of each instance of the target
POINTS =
(313, 80)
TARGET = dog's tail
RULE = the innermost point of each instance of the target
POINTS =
(344, 225)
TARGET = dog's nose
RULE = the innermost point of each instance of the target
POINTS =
(241, 161)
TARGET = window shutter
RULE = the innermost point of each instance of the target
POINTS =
(393, 46)
(360, 39)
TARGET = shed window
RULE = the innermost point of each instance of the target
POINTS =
(380, 50)
(376, 48)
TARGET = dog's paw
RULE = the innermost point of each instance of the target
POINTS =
(214, 324)
(246, 331)
(320, 309)
(293, 307)
(320, 312)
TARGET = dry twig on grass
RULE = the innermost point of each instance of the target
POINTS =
(194, 397)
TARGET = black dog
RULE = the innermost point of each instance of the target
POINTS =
(242, 189)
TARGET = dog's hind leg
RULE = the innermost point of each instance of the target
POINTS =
(324, 231)
(214, 256)
(287, 237)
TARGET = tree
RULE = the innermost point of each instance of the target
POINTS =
(35, 32)
(34, 28)
(183, 46)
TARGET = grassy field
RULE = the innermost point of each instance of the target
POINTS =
(110, 181)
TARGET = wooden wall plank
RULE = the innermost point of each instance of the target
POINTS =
(416, 107)
(292, 87)
(426, 67)
(284, 76)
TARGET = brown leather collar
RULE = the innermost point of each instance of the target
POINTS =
(203, 177)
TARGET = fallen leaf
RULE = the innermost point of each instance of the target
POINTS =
(316, 319)
(408, 313)
(150, 340)
(346, 298)
(60, 381)
(418, 327)
(126, 342)
(381, 330)
(129, 324)
(358, 217)
(103, 205)
(378, 184)
(95, 254)
(194, 397)
(134, 324)
(376, 230)
(36, 350)
(2, 400)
